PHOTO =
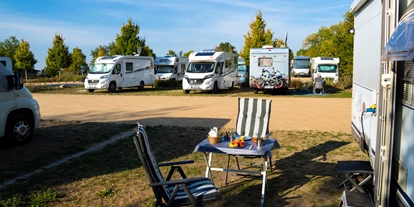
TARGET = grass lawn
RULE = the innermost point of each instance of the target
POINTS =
(305, 172)
(149, 91)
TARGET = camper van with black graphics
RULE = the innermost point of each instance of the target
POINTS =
(209, 70)
(118, 71)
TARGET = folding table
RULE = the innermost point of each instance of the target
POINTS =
(355, 167)
(222, 148)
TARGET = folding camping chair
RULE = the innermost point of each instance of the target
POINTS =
(185, 191)
(253, 121)
(318, 85)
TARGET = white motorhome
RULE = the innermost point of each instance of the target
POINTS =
(117, 72)
(301, 66)
(19, 112)
(326, 67)
(269, 69)
(382, 96)
(170, 68)
(210, 70)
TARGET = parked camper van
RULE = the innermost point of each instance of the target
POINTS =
(326, 67)
(19, 112)
(301, 66)
(382, 97)
(269, 69)
(170, 68)
(243, 72)
(210, 70)
(112, 72)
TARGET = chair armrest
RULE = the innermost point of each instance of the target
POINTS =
(175, 182)
(175, 163)
(268, 134)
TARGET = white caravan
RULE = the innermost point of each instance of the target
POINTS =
(326, 67)
(382, 96)
(269, 69)
(210, 70)
(301, 66)
(170, 68)
(19, 112)
(112, 72)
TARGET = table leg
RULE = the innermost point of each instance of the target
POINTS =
(264, 187)
(227, 172)
(208, 163)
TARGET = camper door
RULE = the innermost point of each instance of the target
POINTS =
(117, 74)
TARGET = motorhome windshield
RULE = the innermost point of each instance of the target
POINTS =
(101, 68)
(201, 67)
(301, 64)
(327, 68)
(165, 69)
(241, 68)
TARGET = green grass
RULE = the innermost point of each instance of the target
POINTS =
(305, 172)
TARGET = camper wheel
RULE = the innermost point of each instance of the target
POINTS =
(91, 90)
(215, 88)
(112, 87)
(186, 91)
(255, 91)
(141, 85)
(232, 86)
(19, 128)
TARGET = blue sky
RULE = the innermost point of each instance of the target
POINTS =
(179, 25)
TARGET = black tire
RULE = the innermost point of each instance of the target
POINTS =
(141, 85)
(232, 86)
(91, 90)
(19, 128)
(112, 87)
(255, 91)
(215, 88)
(186, 91)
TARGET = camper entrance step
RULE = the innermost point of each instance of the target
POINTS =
(356, 199)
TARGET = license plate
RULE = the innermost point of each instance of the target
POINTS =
(268, 87)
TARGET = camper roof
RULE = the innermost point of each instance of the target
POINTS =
(356, 5)
(207, 55)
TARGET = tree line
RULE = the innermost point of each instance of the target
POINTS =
(335, 41)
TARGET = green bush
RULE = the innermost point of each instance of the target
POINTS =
(345, 82)
(296, 84)
(167, 84)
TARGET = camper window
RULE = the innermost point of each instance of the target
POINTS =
(206, 67)
(327, 68)
(101, 68)
(129, 67)
(265, 62)
(182, 68)
(219, 69)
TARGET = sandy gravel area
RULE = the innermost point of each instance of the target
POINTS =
(288, 113)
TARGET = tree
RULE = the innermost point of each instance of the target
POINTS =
(335, 41)
(8, 48)
(99, 52)
(256, 37)
(78, 61)
(187, 54)
(128, 41)
(24, 58)
(226, 47)
(58, 56)
(171, 52)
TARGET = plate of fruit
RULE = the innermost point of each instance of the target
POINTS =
(237, 143)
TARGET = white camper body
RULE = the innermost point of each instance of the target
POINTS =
(268, 60)
(170, 68)
(301, 66)
(210, 70)
(19, 112)
(382, 96)
(112, 72)
(326, 67)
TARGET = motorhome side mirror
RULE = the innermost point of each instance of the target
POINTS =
(10, 82)
(17, 78)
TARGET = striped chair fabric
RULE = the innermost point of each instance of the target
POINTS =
(253, 117)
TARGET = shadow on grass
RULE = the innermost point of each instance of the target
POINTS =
(293, 173)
